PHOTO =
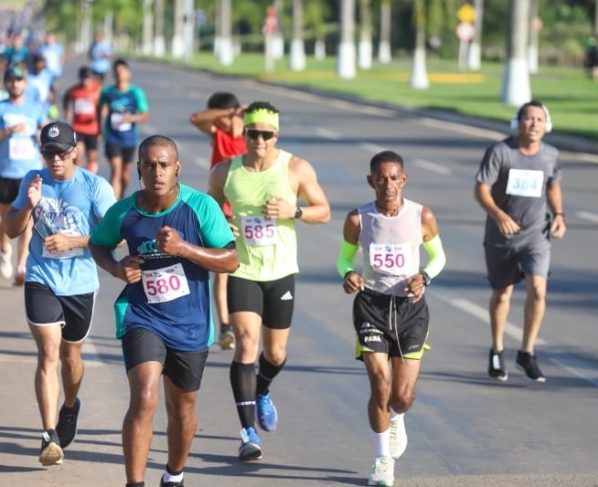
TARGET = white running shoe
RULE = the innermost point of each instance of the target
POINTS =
(398, 436)
(6, 268)
(383, 472)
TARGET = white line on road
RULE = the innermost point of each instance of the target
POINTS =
(567, 362)
(371, 148)
(482, 314)
(433, 167)
(464, 129)
(327, 133)
(586, 215)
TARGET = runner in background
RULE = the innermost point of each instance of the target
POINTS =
(122, 106)
(80, 104)
(21, 117)
(222, 120)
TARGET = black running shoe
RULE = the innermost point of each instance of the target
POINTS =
(50, 452)
(529, 364)
(496, 366)
(67, 423)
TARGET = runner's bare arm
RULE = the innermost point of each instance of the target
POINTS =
(309, 189)
(128, 269)
(225, 259)
(483, 196)
(216, 181)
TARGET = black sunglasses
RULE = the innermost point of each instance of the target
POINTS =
(51, 154)
(254, 134)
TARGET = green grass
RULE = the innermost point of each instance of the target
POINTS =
(568, 92)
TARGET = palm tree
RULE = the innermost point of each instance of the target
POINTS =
(346, 49)
(159, 44)
(516, 88)
(297, 52)
(365, 38)
(148, 26)
(384, 53)
(474, 61)
(177, 37)
(532, 48)
(429, 16)
(225, 52)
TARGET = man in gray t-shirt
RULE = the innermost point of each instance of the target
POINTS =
(518, 181)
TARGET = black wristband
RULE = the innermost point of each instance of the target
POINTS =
(298, 213)
(427, 278)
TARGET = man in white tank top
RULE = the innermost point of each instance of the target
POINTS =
(390, 314)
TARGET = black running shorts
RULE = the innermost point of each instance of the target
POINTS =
(273, 300)
(90, 142)
(127, 154)
(390, 324)
(184, 369)
(9, 189)
(73, 313)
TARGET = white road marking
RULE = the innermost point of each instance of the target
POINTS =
(202, 162)
(565, 361)
(327, 133)
(481, 313)
(463, 128)
(371, 148)
(433, 167)
(586, 215)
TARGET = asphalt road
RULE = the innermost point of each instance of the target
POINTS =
(464, 429)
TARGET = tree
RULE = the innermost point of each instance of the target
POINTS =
(297, 52)
(346, 48)
(516, 88)
(384, 52)
(225, 45)
(365, 37)
(474, 60)
(429, 16)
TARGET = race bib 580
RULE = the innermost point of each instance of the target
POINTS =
(165, 284)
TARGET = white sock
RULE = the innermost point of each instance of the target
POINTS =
(382, 443)
(172, 478)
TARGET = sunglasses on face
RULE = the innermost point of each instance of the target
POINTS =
(254, 134)
(51, 154)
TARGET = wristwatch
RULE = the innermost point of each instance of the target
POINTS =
(427, 278)
(298, 213)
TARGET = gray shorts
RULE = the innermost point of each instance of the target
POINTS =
(508, 265)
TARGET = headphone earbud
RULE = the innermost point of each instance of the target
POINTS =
(515, 119)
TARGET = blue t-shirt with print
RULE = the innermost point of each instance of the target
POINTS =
(19, 153)
(173, 298)
(74, 207)
(132, 100)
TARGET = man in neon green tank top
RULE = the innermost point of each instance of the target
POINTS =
(262, 187)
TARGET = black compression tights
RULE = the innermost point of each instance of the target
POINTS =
(243, 380)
